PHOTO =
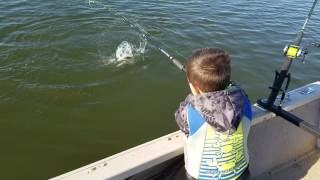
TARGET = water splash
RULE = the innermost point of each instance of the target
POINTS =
(143, 44)
(125, 48)
(126, 52)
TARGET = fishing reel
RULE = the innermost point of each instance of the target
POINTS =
(293, 52)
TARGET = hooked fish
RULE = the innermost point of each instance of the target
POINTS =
(124, 51)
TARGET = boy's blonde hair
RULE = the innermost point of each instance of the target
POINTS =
(209, 69)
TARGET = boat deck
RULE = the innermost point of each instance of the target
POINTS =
(306, 168)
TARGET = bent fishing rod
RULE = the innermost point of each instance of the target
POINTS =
(291, 52)
(146, 35)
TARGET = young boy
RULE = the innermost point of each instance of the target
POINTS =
(215, 119)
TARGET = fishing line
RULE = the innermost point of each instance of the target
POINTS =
(146, 35)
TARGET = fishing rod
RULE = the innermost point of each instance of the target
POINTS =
(292, 51)
(146, 35)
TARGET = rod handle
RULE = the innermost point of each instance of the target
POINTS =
(178, 64)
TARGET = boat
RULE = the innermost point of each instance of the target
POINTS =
(277, 148)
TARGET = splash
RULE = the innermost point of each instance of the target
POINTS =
(125, 49)
(143, 44)
(126, 52)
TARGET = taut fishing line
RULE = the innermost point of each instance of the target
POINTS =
(125, 49)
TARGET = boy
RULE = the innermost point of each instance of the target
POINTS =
(215, 119)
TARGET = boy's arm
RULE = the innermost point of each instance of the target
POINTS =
(181, 118)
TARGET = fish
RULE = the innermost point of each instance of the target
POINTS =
(124, 51)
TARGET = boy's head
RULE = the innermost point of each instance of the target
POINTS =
(208, 70)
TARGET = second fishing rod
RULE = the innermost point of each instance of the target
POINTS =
(292, 52)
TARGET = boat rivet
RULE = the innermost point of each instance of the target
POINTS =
(169, 138)
(105, 164)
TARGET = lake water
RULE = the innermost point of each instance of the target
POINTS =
(64, 103)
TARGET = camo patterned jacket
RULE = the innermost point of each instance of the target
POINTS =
(221, 109)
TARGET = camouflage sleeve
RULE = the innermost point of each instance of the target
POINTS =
(181, 118)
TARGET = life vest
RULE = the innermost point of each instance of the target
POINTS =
(216, 155)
